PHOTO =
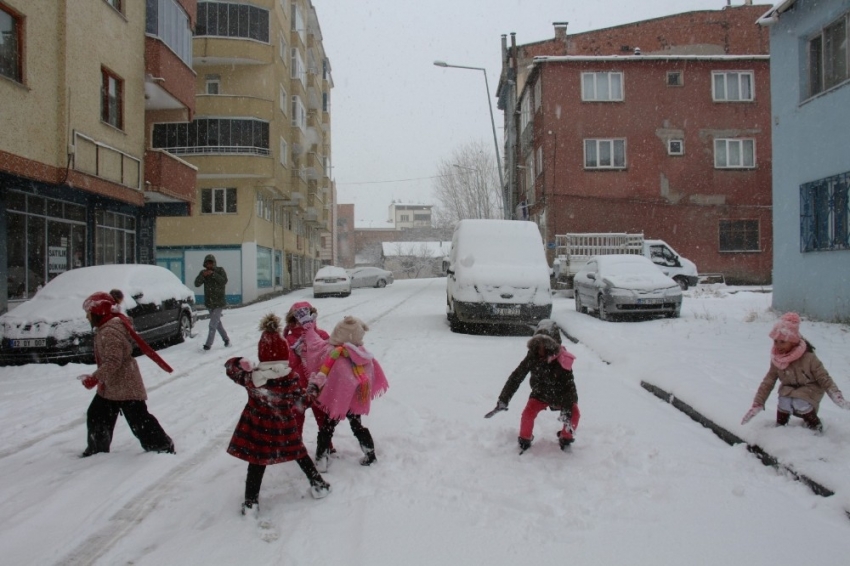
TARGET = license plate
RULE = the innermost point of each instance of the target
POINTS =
(650, 301)
(507, 311)
(30, 343)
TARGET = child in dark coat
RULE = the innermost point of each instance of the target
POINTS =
(267, 432)
(552, 385)
(802, 378)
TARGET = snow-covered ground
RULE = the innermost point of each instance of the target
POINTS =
(643, 484)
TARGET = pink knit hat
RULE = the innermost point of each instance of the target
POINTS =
(787, 328)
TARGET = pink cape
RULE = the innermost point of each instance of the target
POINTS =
(339, 396)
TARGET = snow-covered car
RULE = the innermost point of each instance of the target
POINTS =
(52, 326)
(625, 284)
(331, 280)
(370, 277)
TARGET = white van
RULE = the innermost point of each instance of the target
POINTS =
(497, 274)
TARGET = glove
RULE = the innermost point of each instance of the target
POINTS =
(312, 391)
(303, 315)
(246, 365)
(838, 399)
(565, 416)
(89, 381)
(318, 379)
(500, 406)
(754, 410)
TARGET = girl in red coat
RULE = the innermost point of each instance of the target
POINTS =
(267, 432)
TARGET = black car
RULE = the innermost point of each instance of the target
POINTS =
(52, 326)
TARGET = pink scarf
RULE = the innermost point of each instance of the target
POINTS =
(782, 361)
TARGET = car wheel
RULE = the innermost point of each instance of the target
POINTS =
(579, 307)
(603, 314)
(675, 313)
(682, 281)
(184, 328)
(381, 284)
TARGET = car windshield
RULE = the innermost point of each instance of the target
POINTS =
(627, 267)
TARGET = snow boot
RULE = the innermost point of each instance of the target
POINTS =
(782, 417)
(369, 458)
(564, 441)
(524, 443)
(319, 489)
(812, 421)
(323, 462)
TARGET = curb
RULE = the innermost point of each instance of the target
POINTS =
(732, 440)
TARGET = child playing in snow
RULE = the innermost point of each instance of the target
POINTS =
(294, 334)
(267, 432)
(344, 378)
(802, 377)
(552, 385)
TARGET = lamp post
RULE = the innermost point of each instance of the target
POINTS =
(506, 196)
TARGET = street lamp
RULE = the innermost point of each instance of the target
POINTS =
(506, 197)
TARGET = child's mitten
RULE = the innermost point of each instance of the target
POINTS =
(754, 410)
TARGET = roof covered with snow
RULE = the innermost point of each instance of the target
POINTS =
(426, 249)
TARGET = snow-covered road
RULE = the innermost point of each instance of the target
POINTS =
(643, 484)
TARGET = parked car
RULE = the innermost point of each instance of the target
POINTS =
(331, 280)
(370, 277)
(52, 326)
(625, 284)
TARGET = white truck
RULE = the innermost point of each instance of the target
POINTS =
(573, 250)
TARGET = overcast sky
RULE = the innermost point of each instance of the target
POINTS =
(394, 115)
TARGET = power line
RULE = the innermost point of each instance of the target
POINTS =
(393, 181)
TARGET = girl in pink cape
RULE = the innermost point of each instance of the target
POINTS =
(344, 378)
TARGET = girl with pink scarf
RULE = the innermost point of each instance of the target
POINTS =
(802, 377)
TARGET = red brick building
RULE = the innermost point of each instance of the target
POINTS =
(660, 127)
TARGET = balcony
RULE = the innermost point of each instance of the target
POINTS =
(242, 163)
(234, 105)
(168, 178)
(213, 50)
(169, 82)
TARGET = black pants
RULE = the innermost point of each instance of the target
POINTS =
(103, 414)
(361, 433)
(256, 471)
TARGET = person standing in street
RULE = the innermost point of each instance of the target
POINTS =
(214, 279)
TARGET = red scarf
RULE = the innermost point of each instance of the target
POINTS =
(143, 346)
(782, 361)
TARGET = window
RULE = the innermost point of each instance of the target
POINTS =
(11, 44)
(538, 94)
(115, 4)
(111, 99)
(224, 19)
(525, 112)
(829, 56)
(282, 49)
(675, 147)
(297, 70)
(739, 236)
(404, 218)
(115, 238)
(218, 201)
(326, 102)
(298, 22)
(732, 86)
(538, 166)
(602, 87)
(284, 100)
(213, 135)
(604, 154)
(675, 78)
(284, 150)
(166, 20)
(529, 173)
(299, 113)
(825, 214)
(213, 84)
(734, 154)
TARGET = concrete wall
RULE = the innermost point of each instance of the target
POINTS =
(810, 142)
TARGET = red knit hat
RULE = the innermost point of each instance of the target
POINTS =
(99, 304)
(272, 348)
(788, 328)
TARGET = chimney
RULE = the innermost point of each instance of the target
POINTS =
(561, 30)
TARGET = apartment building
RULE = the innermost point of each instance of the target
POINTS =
(261, 142)
(409, 215)
(660, 127)
(79, 183)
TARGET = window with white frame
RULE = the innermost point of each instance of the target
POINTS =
(284, 100)
(525, 112)
(734, 153)
(297, 70)
(168, 21)
(299, 113)
(283, 51)
(538, 94)
(284, 151)
(230, 19)
(298, 22)
(604, 154)
(829, 56)
(11, 48)
(218, 201)
(529, 173)
(732, 86)
(212, 84)
(676, 147)
(602, 87)
(538, 167)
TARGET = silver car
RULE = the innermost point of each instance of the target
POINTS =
(331, 280)
(625, 284)
(370, 277)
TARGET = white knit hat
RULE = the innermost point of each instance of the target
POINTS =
(350, 329)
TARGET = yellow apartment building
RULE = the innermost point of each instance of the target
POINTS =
(261, 142)
(81, 84)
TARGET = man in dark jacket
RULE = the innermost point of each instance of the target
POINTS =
(214, 279)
